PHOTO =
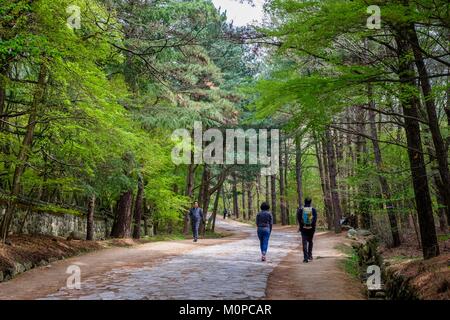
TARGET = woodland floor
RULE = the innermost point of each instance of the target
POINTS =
(226, 268)
(430, 279)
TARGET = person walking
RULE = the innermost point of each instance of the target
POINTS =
(225, 213)
(307, 219)
(196, 216)
(264, 221)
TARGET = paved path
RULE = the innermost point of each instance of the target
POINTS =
(231, 270)
(227, 268)
(223, 270)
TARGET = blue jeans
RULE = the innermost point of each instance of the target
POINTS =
(195, 227)
(264, 235)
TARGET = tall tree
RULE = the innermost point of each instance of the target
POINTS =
(333, 183)
(90, 227)
(273, 197)
(385, 188)
(409, 102)
(298, 170)
(138, 207)
(122, 224)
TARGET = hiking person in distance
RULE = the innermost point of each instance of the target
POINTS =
(307, 219)
(196, 217)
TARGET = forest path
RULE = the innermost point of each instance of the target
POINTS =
(228, 268)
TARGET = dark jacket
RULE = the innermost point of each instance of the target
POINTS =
(264, 219)
(196, 217)
(307, 227)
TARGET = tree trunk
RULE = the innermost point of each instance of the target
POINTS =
(258, 189)
(249, 201)
(416, 228)
(216, 206)
(299, 171)
(438, 141)
(189, 192)
(224, 202)
(361, 159)
(122, 225)
(340, 172)
(2, 91)
(333, 184)
(350, 168)
(4, 145)
(90, 219)
(326, 173)
(325, 188)
(437, 186)
(24, 150)
(286, 187)
(406, 74)
(138, 206)
(205, 197)
(243, 199)
(273, 191)
(235, 196)
(442, 212)
(267, 190)
(385, 188)
(145, 226)
(282, 191)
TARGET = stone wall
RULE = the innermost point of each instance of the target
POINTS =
(56, 224)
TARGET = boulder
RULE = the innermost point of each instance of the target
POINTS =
(364, 233)
(360, 233)
(352, 234)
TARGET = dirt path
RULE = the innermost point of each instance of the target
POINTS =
(321, 279)
(226, 268)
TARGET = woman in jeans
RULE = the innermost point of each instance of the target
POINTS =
(264, 223)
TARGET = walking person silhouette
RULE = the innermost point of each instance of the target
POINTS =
(264, 221)
(307, 219)
(196, 216)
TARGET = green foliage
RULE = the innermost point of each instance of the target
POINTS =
(350, 263)
(114, 91)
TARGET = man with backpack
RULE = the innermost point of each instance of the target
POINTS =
(307, 218)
